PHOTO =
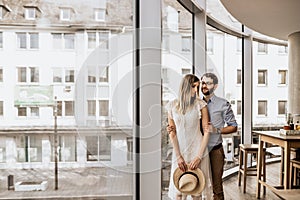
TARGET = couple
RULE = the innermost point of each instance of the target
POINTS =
(191, 148)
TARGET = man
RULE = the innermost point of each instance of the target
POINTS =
(220, 113)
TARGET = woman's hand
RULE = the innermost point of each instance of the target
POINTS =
(170, 128)
(195, 163)
(181, 164)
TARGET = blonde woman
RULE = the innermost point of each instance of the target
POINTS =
(189, 144)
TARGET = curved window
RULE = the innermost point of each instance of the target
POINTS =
(224, 59)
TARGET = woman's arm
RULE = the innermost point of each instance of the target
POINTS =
(205, 119)
(174, 140)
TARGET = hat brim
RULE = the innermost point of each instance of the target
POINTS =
(200, 186)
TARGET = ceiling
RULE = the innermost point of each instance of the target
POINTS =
(274, 18)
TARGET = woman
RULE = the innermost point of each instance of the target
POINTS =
(189, 145)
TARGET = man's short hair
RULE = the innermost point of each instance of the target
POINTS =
(212, 76)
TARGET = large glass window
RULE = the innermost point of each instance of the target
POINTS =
(98, 148)
(223, 62)
(29, 148)
(66, 147)
(177, 54)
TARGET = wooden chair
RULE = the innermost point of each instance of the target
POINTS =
(295, 167)
(251, 149)
(295, 154)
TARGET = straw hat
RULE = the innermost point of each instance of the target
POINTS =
(190, 181)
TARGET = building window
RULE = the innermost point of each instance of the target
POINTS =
(282, 49)
(91, 74)
(57, 76)
(1, 40)
(34, 111)
(98, 39)
(65, 14)
(165, 75)
(166, 43)
(185, 71)
(262, 77)
(69, 108)
(282, 77)
(104, 74)
(186, 44)
(239, 107)
(1, 108)
(104, 107)
(34, 74)
(29, 148)
(1, 74)
(100, 15)
(238, 45)
(22, 111)
(66, 146)
(91, 107)
(28, 74)
(69, 76)
(282, 107)
(238, 76)
(2, 149)
(262, 108)
(63, 40)
(60, 75)
(210, 44)
(262, 48)
(27, 40)
(98, 148)
(30, 13)
(129, 149)
(65, 108)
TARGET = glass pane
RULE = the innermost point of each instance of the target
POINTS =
(22, 42)
(177, 54)
(223, 62)
(85, 63)
(270, 76)
(34, 40)
(69, 108)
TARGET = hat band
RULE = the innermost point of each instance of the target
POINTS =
(192, 173)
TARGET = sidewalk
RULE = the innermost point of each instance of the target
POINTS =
(80, 183)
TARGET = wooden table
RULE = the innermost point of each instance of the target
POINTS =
(286, 142)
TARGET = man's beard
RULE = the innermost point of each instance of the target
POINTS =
(208, 92)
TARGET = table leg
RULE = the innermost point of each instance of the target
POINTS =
(259, 165)
(287, 156)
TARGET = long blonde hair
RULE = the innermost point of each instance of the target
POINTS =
(185, 99)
